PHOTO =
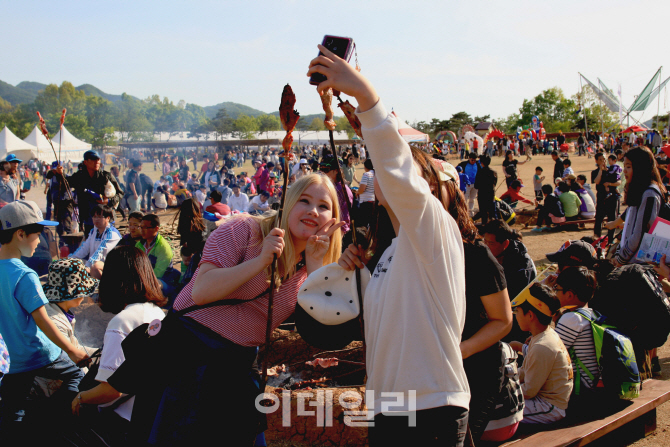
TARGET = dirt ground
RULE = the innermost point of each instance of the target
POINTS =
(92, 321)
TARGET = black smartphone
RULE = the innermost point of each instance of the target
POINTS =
(341, 46)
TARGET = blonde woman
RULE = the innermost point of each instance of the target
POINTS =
(221, 342)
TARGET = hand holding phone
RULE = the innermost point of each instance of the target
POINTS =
(340, 46)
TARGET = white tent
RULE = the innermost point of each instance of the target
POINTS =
(43, 150)
(410, 134)
(70, 147)
(11, 144)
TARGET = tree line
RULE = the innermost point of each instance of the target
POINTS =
(97, 120)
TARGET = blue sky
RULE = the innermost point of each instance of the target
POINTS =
(427, 59)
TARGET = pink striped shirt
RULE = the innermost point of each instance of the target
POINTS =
(233, 243)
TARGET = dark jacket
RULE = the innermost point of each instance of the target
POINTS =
(553, 205)
(80, 180)
(518, 266)
(558, 168)
(486, 181)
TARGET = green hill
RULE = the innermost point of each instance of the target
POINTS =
(233, 109)
(33, 87)
(15, 95)
(92, 90)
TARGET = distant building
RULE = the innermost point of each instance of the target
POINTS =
(484, 128)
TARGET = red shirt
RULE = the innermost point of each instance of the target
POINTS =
(219, 207)
(234, 242)
(515, 196)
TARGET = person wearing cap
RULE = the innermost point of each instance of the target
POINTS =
(9, 187)
(329, 166)
(299, 170)
(100, 241)
(513, 194)
(93, 179)
(546, 374)
(36, 346)
(261, 176)
(13, 172)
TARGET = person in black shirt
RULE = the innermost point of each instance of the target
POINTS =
(94, 179)
(485, 184)
(560, 138)
(558, 165)
(607, 197)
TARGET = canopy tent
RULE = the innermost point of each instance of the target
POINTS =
(11, 144)
(410, 134)
(43, 149)
(70, 147)
(635, 129)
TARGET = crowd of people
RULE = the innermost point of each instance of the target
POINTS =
(448, 308)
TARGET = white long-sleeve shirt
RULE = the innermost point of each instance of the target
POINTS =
(414, 306)
(240, 204)
(97, 246)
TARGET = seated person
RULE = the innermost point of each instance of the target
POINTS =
(201, 195)
(546, 374)
(68, 284)
(581, 180)
(587, 210)
(570, 201)
(134, 234)
(225, 190)
(551, 211)
(100, 241)
(259, 204)
(159, 251)
(513, 195)
(181, 193)
(574, 287)
(160, 198)
(217, 206)
(238, 201)
(128, 289)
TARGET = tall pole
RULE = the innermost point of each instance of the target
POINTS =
(581, 88)
(658, 109)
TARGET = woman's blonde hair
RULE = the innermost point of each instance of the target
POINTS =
(285, 264)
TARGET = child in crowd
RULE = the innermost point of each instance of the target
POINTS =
(587, 209)
(181, 193)
(574, 288)
(538, 178)
(68, 284)
(551, 211)
(160, 199)
(513, 195)
(463, 180)
(201, 195)
(134, 234)
(581, 180)
(567, 165)
(570, 201)
(546, 374)
(100, 241)
(35, 345)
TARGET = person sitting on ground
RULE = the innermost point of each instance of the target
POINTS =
(239, 201)
(259, 204)
(505, 244)
(36, 346)
(201, 195)
(160, 198)
(570, 201)
(225, 190)
(67, 285)
(217, 206)
(546, 374)
(130, 290)
(134, 234)
(181, 193)
(155, 246)
(100, 241)
(513, 195)
(574, 288)
(567, 165)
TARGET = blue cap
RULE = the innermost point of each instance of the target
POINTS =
(11, 157)
(91, 155)
(54, 164)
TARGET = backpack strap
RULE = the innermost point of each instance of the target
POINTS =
(233, 302)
